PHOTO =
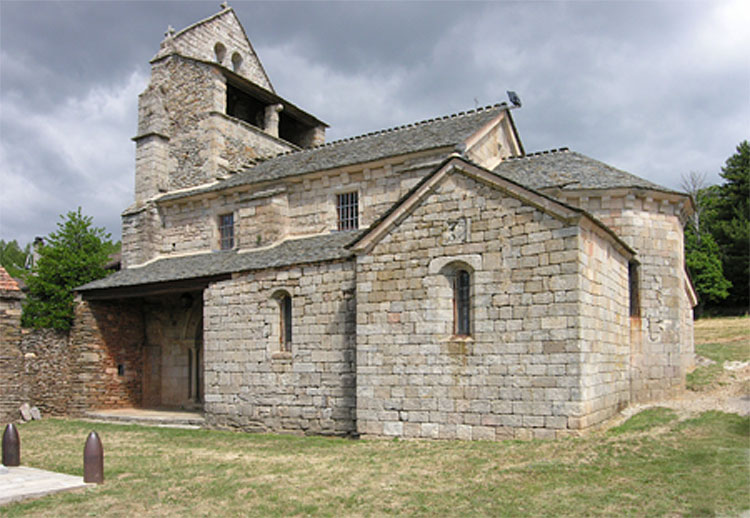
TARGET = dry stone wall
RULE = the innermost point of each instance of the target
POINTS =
(13, 390)
(523, 372)
(48, 367)
(254, 385)
(95, 365)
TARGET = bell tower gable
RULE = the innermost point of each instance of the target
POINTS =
(219, 39)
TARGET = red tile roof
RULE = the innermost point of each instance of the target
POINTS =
(7, 283)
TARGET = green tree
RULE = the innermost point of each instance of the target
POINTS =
(731, 226)
(703, 260)
(72, 256)
(702, 254)
(13, 258)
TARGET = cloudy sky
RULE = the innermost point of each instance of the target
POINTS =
(658, 89)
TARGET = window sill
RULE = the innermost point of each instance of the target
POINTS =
(281, 356)
(457, 345)
(459, 338)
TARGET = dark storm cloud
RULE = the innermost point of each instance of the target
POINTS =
(656, 88)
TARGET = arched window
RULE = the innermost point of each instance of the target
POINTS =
(285, 320)
(236, 61)
(462, 303)
(220, 51)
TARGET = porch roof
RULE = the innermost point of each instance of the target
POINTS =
(202, 268)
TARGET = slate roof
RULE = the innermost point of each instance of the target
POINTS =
(449, 130)
(568, 170)
(326, 247)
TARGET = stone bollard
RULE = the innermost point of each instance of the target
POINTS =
(93, 460)
(11, 446)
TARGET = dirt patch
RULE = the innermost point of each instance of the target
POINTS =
(730, 393)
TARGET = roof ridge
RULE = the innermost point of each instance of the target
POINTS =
(564, 149)
(391, 129)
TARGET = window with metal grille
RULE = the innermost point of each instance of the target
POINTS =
(462, 303)
(226, 231)
(285, 310)
(347, 206)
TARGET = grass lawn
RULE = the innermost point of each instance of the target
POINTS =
(651, 465)
(720, 340)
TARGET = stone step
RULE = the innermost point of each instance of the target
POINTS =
(149, 417)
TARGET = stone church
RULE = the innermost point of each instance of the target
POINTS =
(430, 280)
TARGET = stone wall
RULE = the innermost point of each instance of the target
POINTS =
(184, 136)
(106, 341)
(199, 41)
(267, 213)
(13, 391)
(97, 364)
(662, 335)
(48, 367)
(602, 317)
(251, 382)
(171, 372)
(525, 370)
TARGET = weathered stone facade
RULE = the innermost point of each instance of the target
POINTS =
(12, 380)
(431, 280)
(540, 316)
(662, 333)
(251, 382)
(97, 364)
(47, 368)
(106, 343)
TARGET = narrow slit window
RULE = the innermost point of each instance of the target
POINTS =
(462, 303)
(285, 309)
(633, 285)
(226, 231)
(347, 206)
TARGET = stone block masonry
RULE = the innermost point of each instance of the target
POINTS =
(661, 338)
(529, 367)
(255, 383)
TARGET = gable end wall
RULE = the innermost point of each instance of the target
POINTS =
(524, 372)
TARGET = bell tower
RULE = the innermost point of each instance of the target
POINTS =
(210, 109)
